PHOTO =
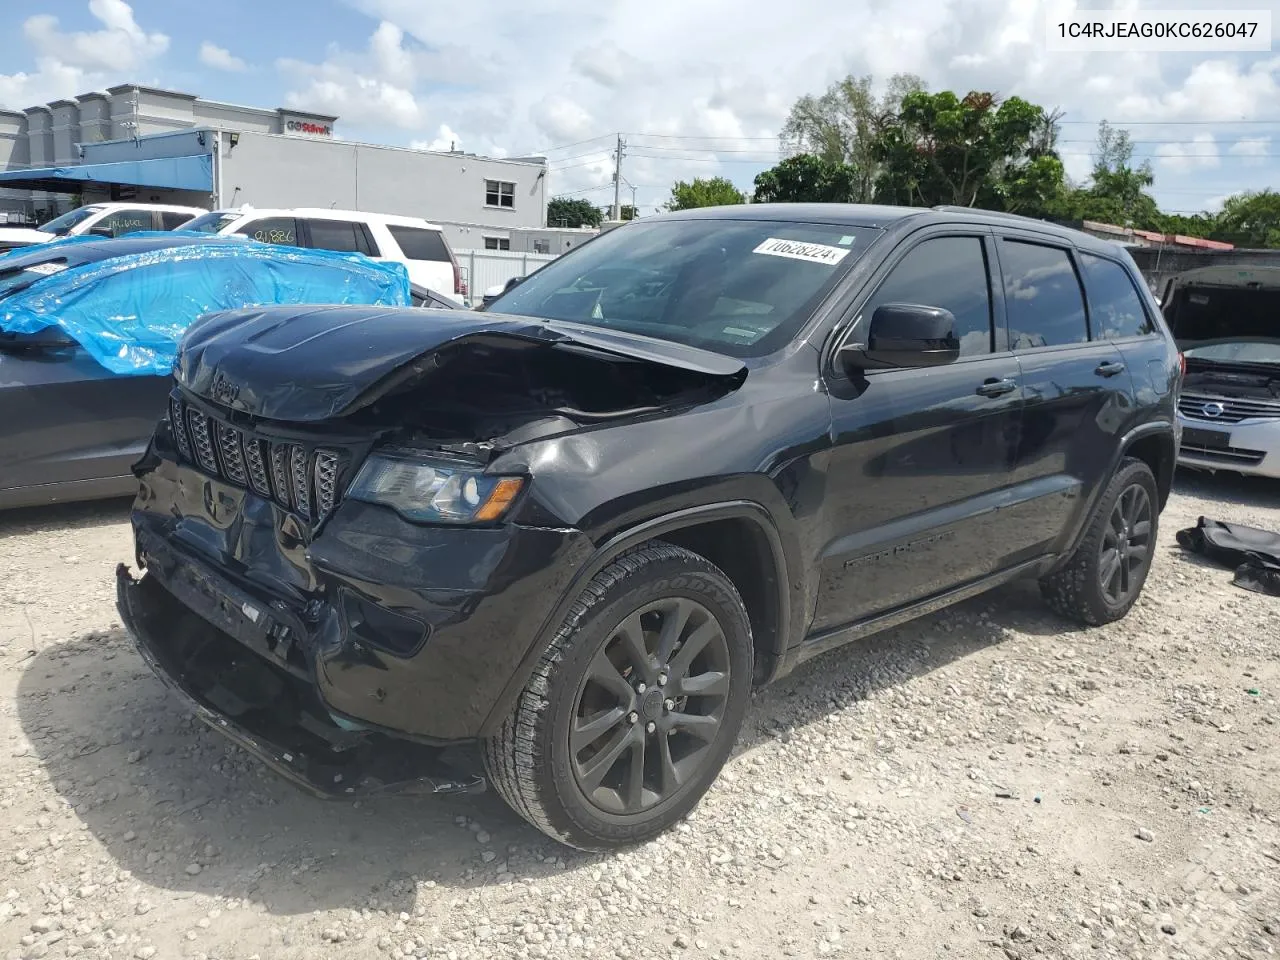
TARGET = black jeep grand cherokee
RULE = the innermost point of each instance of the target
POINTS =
(670, 465)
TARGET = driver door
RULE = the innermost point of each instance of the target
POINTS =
(921, 457)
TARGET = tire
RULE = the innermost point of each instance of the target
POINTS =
(1077, 590)
(546, 759)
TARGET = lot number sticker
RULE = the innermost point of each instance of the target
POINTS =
(799, 250)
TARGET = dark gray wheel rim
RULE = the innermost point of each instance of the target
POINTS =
(648, 712)
(1126, 545)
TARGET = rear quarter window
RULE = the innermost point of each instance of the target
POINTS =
(420, 244)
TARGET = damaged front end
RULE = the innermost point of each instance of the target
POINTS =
(337, 574)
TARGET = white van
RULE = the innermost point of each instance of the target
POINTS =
(419, 245)
(103, 220)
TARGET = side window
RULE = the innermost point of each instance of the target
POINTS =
(120, 222)
(170, 220)
(1042, 295)
(364, 237)
(279, 230)
(338, 235)
(947, 272)
(419, 244)
(1115, 306)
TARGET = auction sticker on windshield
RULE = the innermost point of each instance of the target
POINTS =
(799, 250)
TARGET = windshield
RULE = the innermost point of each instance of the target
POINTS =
(1243, 352)
(208, 222)
(61, 226)
(738, 287)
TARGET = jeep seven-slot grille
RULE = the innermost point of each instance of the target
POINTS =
(304, 479)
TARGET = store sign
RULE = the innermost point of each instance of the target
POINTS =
(310, 128)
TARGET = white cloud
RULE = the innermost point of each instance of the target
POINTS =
(67, 64)
(220, 58)
(1200, 152)
(523, 76)
(121, 45)
(445, 140)
(1254, 149)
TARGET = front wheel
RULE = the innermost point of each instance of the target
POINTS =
(634, 707)
(1104, 577)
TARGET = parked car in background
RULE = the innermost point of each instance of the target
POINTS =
(419, 245)
(103, 220)
(70, 427)
(579, 526)
(1226, 320)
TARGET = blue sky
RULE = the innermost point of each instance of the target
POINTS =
(698, 89)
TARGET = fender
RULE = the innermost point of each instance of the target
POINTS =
(1150, 428)
(612, 548)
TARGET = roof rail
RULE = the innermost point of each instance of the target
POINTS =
(954, 208)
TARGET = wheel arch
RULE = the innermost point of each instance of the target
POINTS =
(1155, 445)
(738, 536)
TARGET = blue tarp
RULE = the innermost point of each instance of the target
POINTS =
(174, 173)
(129, 312)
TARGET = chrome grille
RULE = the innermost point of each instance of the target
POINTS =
(297, 476)
(200, 439)
(256, 465)
(178, 427)
(301, 479)
(232, 455)
(1226, 410)
(326, 481)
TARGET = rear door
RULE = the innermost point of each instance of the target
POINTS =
(1078, 389)
(340, 236)
(426, 255)
(64, 418)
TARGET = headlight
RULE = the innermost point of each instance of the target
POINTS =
(433, 491)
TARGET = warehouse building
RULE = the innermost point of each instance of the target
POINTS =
(133, 142)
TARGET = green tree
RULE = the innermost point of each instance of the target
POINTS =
(840, 126)
(703, 192)
(572, 212)
(1117, 189)
(1250, 219)
(977, 151)
(807, 178)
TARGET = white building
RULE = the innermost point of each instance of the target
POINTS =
(152, 145)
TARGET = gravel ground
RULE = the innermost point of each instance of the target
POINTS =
(984, 782)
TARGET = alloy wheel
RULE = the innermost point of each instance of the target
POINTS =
(1126, 544)
(649, 709)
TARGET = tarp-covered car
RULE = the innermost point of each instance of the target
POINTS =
(1226, 320)
(89, 330)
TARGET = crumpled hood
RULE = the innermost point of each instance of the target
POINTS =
(1223, 304)
(305, 364)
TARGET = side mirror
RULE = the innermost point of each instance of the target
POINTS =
(905, 335)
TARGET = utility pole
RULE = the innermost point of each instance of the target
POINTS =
(617, 179)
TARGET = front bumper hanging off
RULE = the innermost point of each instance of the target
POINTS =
(263, 708)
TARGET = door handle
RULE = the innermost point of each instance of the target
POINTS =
(997, 387)
(1109, 368)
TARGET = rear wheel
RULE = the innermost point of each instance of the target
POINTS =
(1104, 577)
(634, 707)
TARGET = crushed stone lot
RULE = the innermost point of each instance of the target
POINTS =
(989, 781)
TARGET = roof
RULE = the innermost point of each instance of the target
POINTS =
(324, 213)
(883, 216)
(178, 173)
